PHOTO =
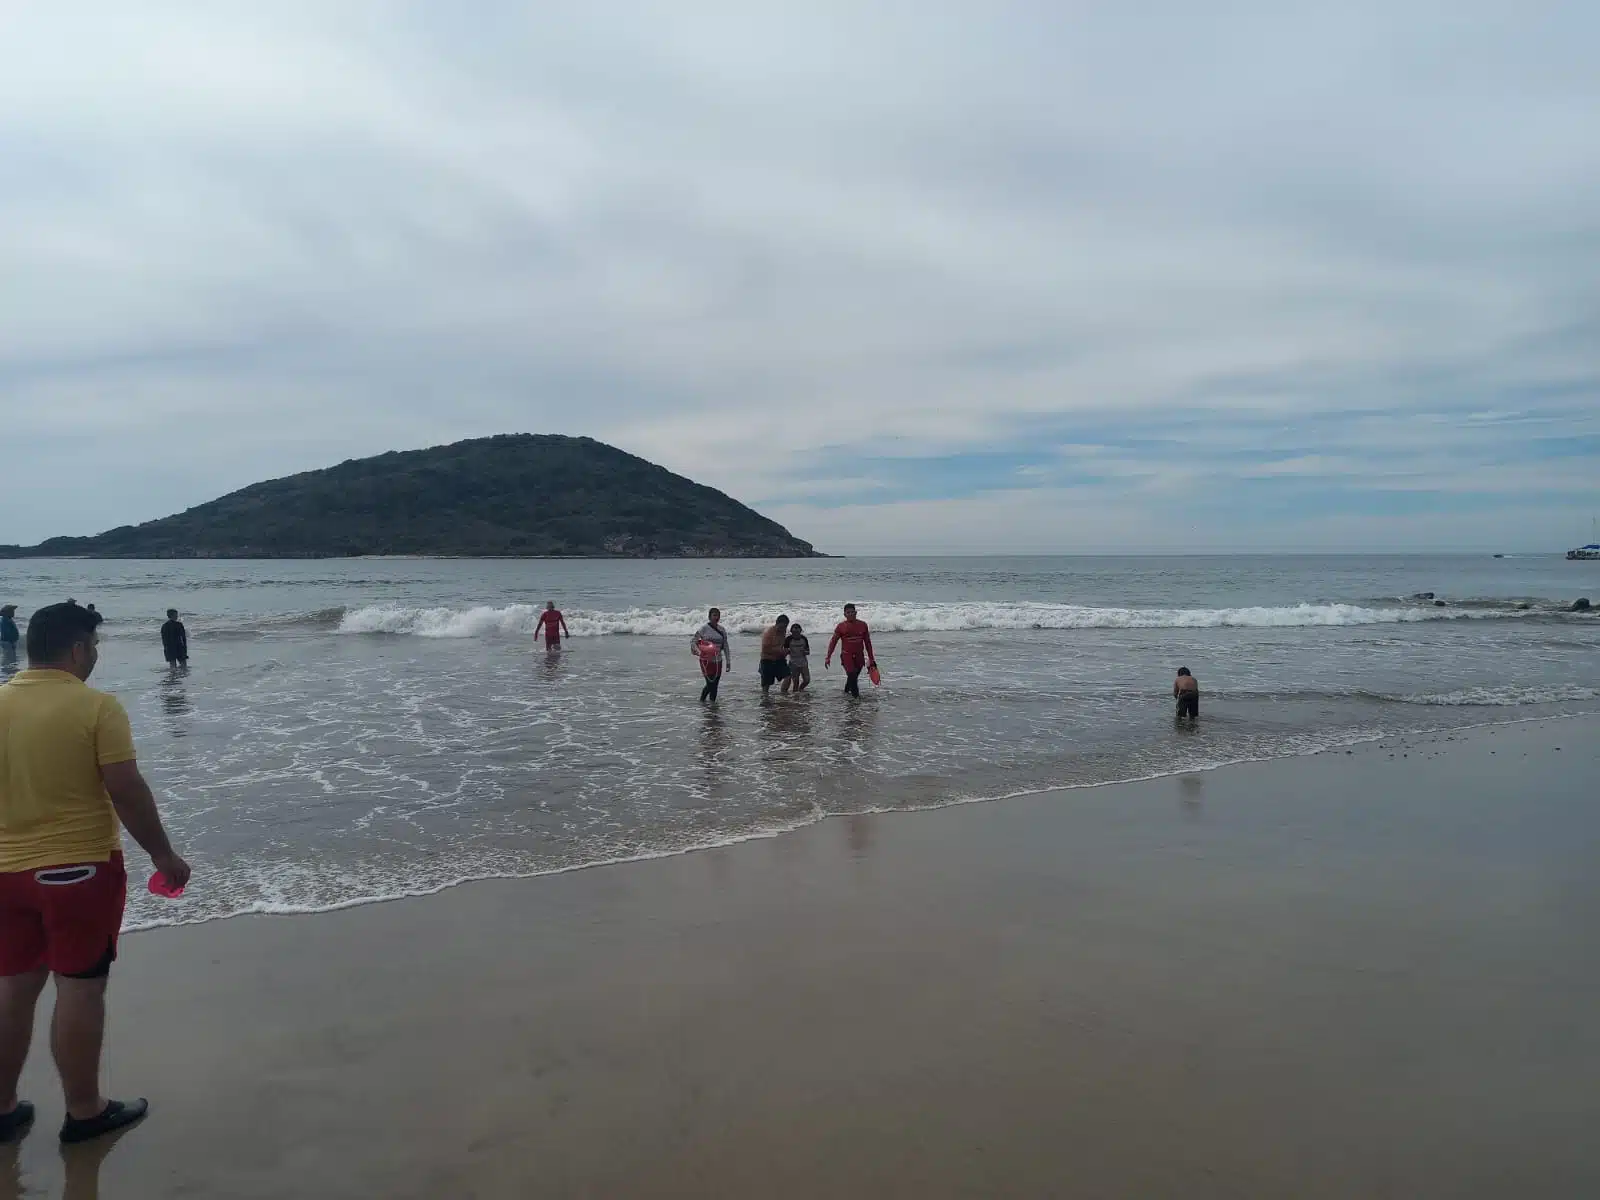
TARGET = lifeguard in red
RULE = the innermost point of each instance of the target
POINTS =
(853, 640)
(552, 625)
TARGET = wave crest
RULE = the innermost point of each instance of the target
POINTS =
(520, 619)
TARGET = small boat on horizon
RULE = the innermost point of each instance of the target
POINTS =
(1589, 553)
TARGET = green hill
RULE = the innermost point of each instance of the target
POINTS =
(517, 494)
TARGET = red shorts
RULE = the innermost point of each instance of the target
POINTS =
(65, 918)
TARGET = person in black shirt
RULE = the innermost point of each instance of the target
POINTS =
(10, 635)
(175, 640)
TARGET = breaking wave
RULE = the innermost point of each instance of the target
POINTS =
(520, 619)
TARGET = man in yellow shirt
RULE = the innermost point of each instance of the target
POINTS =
(67, 773)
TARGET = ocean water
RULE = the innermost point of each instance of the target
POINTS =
(357, 729)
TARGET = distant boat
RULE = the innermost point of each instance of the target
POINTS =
(1589, 553)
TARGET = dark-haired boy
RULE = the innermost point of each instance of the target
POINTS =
(1186, 690)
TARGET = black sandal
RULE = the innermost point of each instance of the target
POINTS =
(16, 1123)
(116, 1115)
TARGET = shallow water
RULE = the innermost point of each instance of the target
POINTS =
(355, 729)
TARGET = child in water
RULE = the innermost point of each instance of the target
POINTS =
(1186, 690)
(799, 647)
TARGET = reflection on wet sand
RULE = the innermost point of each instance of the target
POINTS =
(11, 1186)
(80, 1169)
(1191, 791)
(859, 834)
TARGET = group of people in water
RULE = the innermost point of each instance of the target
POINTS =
(786, 654)
(174, 637)
(785, 651)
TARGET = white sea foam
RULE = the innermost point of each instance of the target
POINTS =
(477, 621)
(520, 619)
(386, 887)
(1500, 697)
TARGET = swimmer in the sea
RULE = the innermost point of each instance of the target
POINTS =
(1186, 690)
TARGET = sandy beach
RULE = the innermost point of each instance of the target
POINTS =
(1365, 973)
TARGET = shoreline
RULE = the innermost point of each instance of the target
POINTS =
(814, 820)
(1350, 974)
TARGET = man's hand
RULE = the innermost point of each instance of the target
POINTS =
(174, 868)
(136, 809)
(827, 664)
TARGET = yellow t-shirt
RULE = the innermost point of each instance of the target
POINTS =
(55, 733)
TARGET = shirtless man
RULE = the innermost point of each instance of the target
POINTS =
(856, 653)
(774, 654)
(1186, 690)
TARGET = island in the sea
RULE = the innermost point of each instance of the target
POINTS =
(516, 495)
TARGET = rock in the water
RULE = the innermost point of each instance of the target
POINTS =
(1422, 596)
(1581, 604)
(1439, 604)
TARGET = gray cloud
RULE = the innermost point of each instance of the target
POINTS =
(771, 245)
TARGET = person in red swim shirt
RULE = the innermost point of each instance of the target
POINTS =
(552, 624)
(854, 641)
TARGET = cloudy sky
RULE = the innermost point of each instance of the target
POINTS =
(927, 276)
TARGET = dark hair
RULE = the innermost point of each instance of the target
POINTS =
(783, 619)
(796, 627)
(56, 628)
(1183, 670)
(172, 613)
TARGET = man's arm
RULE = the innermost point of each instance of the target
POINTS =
(1175, 690)
(832, 646)
(136, 809)
(565, 632)
(872, 657)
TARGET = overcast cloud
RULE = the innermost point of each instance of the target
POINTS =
(907, 277)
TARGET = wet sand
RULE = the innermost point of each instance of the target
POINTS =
(1367, 974)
